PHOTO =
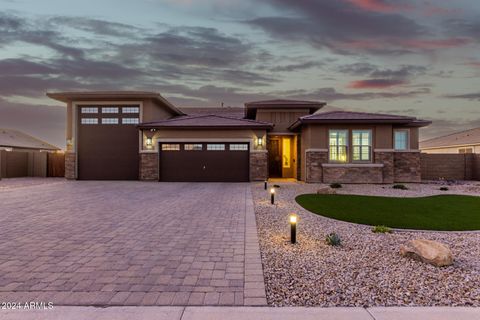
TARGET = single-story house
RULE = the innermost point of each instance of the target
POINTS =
(127, 135)
(467, 141)
(22, 155)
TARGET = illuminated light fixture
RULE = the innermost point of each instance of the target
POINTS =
(149, 142)
(260, 142)
(272, 195)
(293, 228)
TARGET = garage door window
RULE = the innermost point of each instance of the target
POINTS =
(130, 121)
(89, 121)
(130, 110)
(170, 147)
(109, 121)
(110, 110)
(89, 110)
(193, 147)
(239, 147)
(216, 147)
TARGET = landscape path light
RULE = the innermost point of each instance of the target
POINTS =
(272, 195)
(265, 185)
(293, 228)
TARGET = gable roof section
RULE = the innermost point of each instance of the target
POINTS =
(358, 117)
(467, 137)
(209, 121)
(112, 95)
(16, 139)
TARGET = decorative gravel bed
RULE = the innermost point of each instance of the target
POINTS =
(367, 269)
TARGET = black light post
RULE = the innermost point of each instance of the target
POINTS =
(265, 186)
(293, 228)
(272, 195)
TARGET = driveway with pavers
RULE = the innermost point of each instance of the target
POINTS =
(129, 243)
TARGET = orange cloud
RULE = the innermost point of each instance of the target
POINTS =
(379, 6)
(375, 83)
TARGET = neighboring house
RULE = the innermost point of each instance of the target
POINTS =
(129, 135)
(22, 155)
(467, 141)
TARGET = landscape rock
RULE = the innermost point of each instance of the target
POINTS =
(432, 252)
(326, 190)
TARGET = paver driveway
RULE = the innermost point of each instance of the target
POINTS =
(130, 243)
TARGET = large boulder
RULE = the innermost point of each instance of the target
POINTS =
(326, 190)
(428, 251)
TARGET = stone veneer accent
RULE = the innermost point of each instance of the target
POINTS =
(70, 159)
(258, 166)
(353, 174)
(407, 167)
(387, 159)
(313, 165)
(149, 166)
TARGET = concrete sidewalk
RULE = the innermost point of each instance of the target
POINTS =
(245, 313)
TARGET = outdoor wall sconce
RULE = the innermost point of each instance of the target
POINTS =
(293, 228)
(260, 142)
(272, 195)
(148, 143)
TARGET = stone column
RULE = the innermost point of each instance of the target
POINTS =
(407, 166)
(149, 166)
(385, 157)
(313, 165)
(258, 165)
(70, 164)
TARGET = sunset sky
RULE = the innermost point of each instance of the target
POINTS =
(419, 58)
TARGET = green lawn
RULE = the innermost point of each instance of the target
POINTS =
(442, 212)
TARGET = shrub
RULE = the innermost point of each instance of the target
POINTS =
(443, 188)
(333, 239)
(335, 185)
(400, 186)
(276, 186)
(381, 229)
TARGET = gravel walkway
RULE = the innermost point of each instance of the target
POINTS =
(367, 269)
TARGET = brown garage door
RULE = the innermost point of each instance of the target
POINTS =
(108, 142)
(204, 162)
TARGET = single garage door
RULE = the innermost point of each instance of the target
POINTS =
(108, 143)
(204, 162)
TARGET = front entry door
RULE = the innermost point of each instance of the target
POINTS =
(274, 159)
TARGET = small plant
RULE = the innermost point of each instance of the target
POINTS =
(381, 229)
(333, 239)
(276, 186)
(400, 187)
(335, 185)
(443, 188)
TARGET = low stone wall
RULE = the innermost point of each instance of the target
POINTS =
(353, 174)
(387, 159)
(258, 166)
(450, 166)
(407, 167)
(70, 159)
(149, 166)
(313, 163)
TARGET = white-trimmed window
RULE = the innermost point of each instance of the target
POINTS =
(130, 110)
(89, 110)
(338, 146)
(110, 110)
(361, 145)
(130, 121)
(170, 147)
(400, 139)
(193, 147)
(238, 147)
(89, 121)
(216, 147)
(109, 120)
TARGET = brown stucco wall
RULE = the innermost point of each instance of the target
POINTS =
(148, 170)
(281, 118)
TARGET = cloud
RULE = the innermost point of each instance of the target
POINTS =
(468, 96)
(380, 5)
(375, 83)
(297, 66)
(431, 44)
(370, 70)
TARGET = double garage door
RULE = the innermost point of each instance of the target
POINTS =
(204, 162)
